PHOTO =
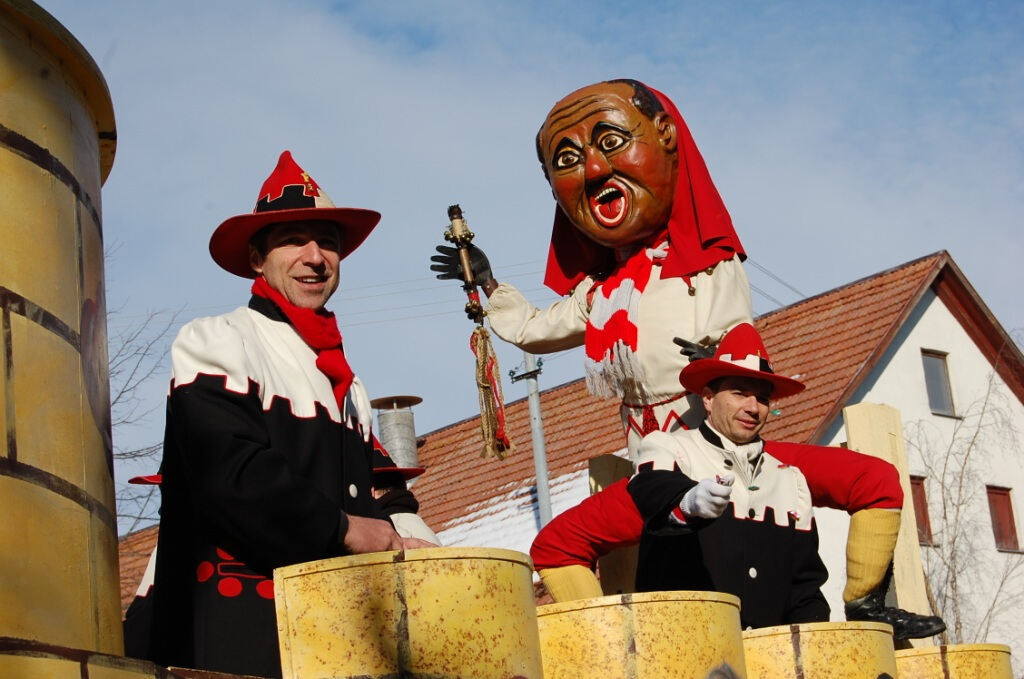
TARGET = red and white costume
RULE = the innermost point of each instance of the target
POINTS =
(688, 283)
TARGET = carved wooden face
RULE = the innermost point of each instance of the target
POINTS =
(611, 168)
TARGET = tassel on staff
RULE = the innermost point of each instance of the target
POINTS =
(488, 375)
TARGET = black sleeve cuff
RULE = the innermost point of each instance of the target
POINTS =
(656, 492)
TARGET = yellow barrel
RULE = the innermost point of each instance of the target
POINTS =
(58, 536)
(655, 635)
(23, 659)
(962, 661)
(445, 612)
(821, 650)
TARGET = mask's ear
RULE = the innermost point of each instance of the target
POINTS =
(666, 131)
(255, 259)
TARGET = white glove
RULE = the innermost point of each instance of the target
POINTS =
(709, 498)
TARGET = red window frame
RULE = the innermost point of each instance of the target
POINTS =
(1004, 528)
(924, 524)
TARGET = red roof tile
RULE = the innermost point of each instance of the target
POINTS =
(133, 552)
(830, 340)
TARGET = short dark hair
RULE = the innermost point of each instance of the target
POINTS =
(643, 98)
(715, 385)
(389, 481)
(259, 239)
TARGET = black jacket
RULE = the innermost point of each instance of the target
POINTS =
(259, 471)
(764, 547)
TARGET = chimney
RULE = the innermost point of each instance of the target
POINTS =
(395, 428)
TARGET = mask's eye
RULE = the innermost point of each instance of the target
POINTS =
(611, 141)
(566, 158)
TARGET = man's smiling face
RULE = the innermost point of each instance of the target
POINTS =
(612, 169)
(301, 261)
(737, 407)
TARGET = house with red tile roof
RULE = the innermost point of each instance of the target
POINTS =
(916, 337)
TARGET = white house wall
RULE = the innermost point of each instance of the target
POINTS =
(898, 380)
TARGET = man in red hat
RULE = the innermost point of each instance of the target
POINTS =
(390, 487)
(720, 512)
(266, 458)
(645, 253)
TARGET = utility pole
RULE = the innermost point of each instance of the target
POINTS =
(540, 458)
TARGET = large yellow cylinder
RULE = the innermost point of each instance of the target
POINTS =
(656, 635)
(58, 536)
(962, 661)
(446, 612)
(22, 659)
(822, 650)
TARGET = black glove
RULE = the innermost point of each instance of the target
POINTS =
(448, 266)
(693, 351)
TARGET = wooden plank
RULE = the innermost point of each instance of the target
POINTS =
(617, 570)
(877, 430)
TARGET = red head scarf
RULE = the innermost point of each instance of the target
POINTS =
(699, 229)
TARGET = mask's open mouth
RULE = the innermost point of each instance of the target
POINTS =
(610, 205)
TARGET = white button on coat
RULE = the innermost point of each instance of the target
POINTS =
(752, 572)
(353, 491)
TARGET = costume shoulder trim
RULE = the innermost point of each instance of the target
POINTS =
(245, 346)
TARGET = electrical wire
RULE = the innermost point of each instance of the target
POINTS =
(771, 275)
(121, 321)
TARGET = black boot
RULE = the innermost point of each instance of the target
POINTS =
(905, 625)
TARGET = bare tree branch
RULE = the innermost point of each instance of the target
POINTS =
(136, 355)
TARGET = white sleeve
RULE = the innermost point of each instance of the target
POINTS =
(211, 346)
(540, 331)
(722, 300)
(410, 525)
(661, 450)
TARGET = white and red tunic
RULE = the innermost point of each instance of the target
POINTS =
(699, 308)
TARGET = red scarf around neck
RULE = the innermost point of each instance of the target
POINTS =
(319, 329)
(611, 337)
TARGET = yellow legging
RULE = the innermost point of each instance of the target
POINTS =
(869, 549)
(569, 583)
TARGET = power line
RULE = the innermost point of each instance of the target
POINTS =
(126, 320)
(344, 290)
(768, 273)
(766, 295)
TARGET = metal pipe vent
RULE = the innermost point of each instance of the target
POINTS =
(395, 428)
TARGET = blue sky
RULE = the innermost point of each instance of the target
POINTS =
(845, 138)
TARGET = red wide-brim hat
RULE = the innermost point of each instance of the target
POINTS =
(288, 195)
(741, 353)
(407, 473)
(384, 464)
